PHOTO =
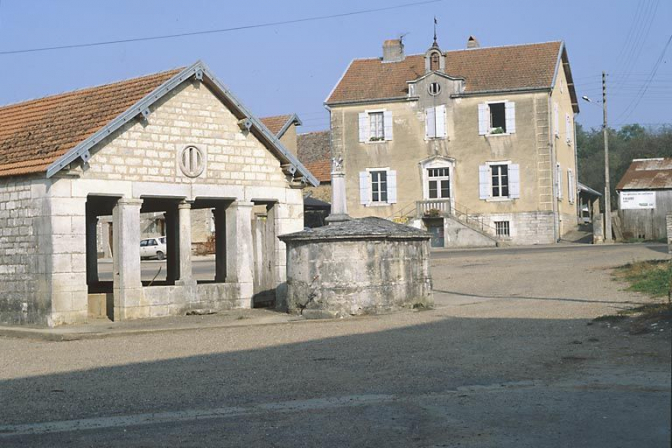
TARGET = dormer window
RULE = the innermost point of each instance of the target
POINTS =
(434, 64)
(434, 88)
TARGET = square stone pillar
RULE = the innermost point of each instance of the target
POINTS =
(184, 213)
(127, 281)
(219, 214)
(240, 250)
(91, 249)
(173, 245)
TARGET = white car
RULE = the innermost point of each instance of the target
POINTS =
(153, 248)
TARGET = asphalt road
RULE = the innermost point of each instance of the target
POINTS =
(509, 357)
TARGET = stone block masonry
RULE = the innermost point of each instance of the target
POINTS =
(668, 222)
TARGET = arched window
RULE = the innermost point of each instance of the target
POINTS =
(434, 63)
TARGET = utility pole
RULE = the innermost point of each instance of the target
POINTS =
(607, 188)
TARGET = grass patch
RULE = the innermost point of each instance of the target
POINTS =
(649, 277)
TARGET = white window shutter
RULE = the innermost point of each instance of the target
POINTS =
(483, 119)
(568, 128)
(392, 187)
(570, 186)
(430, 122)
(558, 176)
(387, 124)
(363, 127)
(364, 188)
(441, 121)
(556, 120)
(514, 181)
(484, 181)
(510, 111)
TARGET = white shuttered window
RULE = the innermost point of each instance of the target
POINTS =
(377, 187)
(375, 126)
(435, 122)
(497, 118)
(497, 180)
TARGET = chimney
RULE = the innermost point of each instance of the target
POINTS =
(393, 50)
(472, 42)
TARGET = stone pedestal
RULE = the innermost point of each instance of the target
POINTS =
(127, 281)
(239, 254)
(184, 212)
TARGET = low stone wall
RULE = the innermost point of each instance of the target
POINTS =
(162, 301)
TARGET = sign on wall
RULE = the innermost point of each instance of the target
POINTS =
(637, 200)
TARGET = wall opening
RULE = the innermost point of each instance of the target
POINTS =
(264, 237)
(208, 236)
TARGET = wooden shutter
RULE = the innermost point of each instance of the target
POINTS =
(556, 120)
(510, 111)
(514, 181)
(568, 128)
(483, 119)
(364, 188)
(392, 187)
(440, 115)
(570, 186)
(387, 124)
(558, 176)
(484, 181)
(430, 122)
(363, 127)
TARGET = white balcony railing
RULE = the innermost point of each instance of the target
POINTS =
(433, 208)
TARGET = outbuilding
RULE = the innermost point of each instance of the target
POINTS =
(166, 143)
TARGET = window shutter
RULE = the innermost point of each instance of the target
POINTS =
(430, 122)
(392, 187)
(558, 176)
(363, 127)
(483, 119)
(364, 188)
(484, 181)
(556, 120)
(510, 111)
(570, 186)
(514, 181)
(441, 121)
(387, 123)
(568, 128)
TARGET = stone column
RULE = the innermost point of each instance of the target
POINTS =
(127, 279)
(91, 249)
(219, 214)
(173, 246)
(239, 254)
(339, 210)
(184, 212)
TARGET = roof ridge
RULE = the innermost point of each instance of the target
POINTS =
(314, 132)
(83, 89)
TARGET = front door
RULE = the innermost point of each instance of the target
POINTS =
(437, 235)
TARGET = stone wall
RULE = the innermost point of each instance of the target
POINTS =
(24, 243)
(669, 232)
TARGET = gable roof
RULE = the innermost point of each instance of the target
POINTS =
(647, 174)
(101, 111)
(279, 124)
(484, 70)
(314, 150)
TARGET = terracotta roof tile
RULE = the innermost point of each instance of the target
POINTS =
(320, 169)
(314, 151)
(35, 133)
(647, 174)
(484, 69)
(276, 123)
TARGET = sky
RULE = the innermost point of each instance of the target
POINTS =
(284, 68)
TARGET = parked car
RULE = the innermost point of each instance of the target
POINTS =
(153, 248)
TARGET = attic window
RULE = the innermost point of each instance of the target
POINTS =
(434, 62)
(434, 88)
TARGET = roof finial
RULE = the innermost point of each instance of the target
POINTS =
(435, 44)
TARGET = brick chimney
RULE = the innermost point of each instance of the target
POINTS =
(393, 50)
(472, 42)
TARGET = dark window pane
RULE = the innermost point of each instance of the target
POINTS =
(432, 190)
(505, 190)
(495, 190)
(497, 116)
(445, 188)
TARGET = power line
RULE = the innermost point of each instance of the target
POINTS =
(217, 31)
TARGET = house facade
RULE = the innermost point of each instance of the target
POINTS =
(169, 143)
(475, 145)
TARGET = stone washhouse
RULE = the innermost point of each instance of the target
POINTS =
(166, 143)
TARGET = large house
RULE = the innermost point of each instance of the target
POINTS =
(172, 142)
(475, 145)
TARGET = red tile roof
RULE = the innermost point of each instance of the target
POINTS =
(321, 170)
(647, 174)
(276, 123)
(314, 151)
(35, 133)
(483, 69)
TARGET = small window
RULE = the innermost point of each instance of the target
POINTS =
(500, 181)
(438, 180)
(378, 186)
(497, 117)
(376, 126)
(434, 61)
(502, 228)
(434, 88)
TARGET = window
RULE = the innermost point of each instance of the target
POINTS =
(376, 129)
(568, 129)
(435, 122)
(556, 120)
(375, 126)
(378, 186)
(497, 118)
(558, 179)
(438, 180)
(502, 228)
(434, 88)
(434, 61)
(571, 186)
(499, 181)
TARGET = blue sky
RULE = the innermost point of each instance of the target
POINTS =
(292, 68)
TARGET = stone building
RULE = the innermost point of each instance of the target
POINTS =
(171, 142)
(475, 145)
